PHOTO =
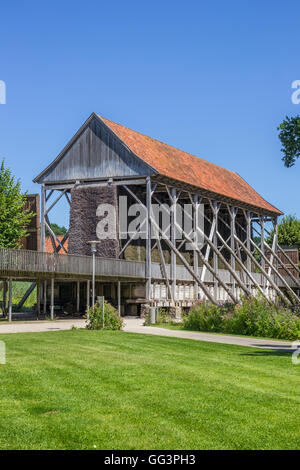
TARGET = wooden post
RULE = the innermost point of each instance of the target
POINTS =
(190, 268)
(87, 295)
(215, 208)
(207, 252)
(196, 238)
(273, 247)
(262, 247)
(38, 297)
(43, 208)
(279, 292)
(77, 296)
(4, 297)
(148, 239)
(173, 241)
(232, 212)
(10, 299)
(45, 298)
(52, 299)
(244, 287)
(272, 268)
(119, 297)
(247, 216)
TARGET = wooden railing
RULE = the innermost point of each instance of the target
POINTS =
(21, 261)
(25, 262)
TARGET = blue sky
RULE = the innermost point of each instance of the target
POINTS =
(212, 78)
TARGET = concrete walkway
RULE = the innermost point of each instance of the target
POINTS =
(40, 326)
(135, 325)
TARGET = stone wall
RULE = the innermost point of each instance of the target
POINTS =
(83, 220)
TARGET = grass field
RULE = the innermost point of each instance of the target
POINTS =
(79, 389)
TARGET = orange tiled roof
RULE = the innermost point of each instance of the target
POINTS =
(179, 165)
(49, 246)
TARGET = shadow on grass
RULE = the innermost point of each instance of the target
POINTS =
(282, 351)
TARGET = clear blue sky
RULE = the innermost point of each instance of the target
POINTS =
(212, 78)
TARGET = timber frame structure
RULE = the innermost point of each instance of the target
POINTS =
(225, 262)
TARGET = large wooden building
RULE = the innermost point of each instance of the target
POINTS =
(208, 248)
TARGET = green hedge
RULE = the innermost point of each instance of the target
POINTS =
(252, 317)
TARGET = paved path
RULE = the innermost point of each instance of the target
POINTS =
(135, 325)
(39, 326)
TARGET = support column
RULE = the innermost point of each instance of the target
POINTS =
(45, 298)
(52, 299)
(119, 297)
(173, 241)
(148, 240)
(262, 247)
(215, 242)
(10, 299)
(43, 208)
(232, 245)
(87, 295)
(38, 297)
(77, 296)
(248, 244)
(4, 297)
(196, 239)
(274, 243)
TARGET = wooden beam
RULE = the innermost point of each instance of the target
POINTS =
(215, 274)
(10, 299)
(45, 298)
(263, 271)
(215, 249)
(289, 273)
(43, 204)
(173, 199)
(276, 272)
(77, 296)
(148, 239)
(248, 292)
(55, 202)
(52, 299)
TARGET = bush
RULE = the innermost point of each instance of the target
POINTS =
(112, 320)
(204, 317)
(163, 316)
(256, 317)
(252, 317)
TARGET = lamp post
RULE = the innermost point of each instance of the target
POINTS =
(93, 245)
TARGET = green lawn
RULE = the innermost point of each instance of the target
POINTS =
(114, 390)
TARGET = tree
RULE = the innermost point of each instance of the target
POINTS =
(288, 232)
(13, 217)
(57, 229)
(289, 136)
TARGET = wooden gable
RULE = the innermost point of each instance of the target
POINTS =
(95, 152)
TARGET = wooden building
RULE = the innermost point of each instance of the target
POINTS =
(211, 255)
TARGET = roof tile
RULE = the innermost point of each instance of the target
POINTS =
(182, 166)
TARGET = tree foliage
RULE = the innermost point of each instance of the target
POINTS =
(57, 229)
(289, 136)
(13, 217)
(288, 231)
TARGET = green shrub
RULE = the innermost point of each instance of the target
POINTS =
(163, 316)
(256, 317)
(204, 317)
(252, 317)
(112, 320)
